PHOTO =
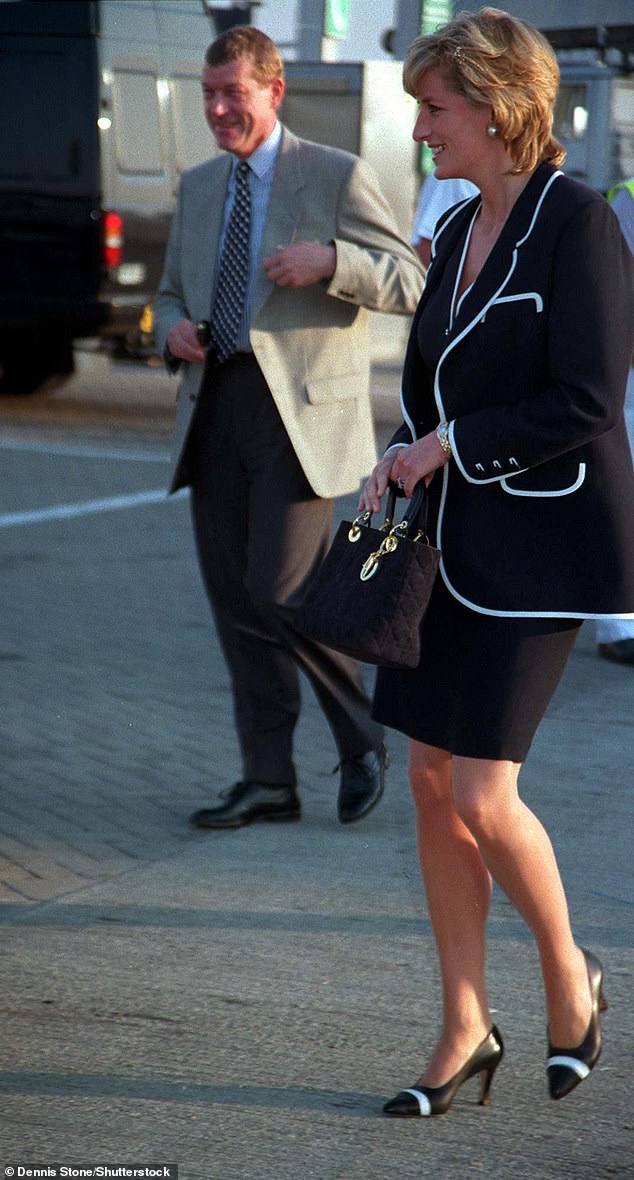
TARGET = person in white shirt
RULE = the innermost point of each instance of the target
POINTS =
(435, 197)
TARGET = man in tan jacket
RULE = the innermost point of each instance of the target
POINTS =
(277, 248)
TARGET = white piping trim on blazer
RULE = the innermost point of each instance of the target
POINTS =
(448, 222)
(534, 295)
(455, 301)
(407, 419)
(476, 319)
(561, 492)
(465, 331)
(538, 206)
(491, 478)
(519, 614)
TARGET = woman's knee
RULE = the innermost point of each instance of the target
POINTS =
(429, 776)
(484, 795)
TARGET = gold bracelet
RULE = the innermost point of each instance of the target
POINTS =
(442, 434)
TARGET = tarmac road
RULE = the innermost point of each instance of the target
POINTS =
(241, 1004)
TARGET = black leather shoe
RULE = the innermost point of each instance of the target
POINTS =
(362, 783)
(247, 802)
(566, 1068)
(427, 1101)
(621, 651)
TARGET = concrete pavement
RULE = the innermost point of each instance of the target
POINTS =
(241, 1004)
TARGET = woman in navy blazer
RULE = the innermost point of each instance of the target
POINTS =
(513, 391)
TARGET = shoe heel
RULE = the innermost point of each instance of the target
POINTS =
(603, 1003)
(486, 1080)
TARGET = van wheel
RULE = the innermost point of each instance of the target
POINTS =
(23, 372)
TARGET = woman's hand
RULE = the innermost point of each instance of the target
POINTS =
(417, 461)
(374, 488)
(405, 466)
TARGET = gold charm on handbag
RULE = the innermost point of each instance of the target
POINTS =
(388, 545)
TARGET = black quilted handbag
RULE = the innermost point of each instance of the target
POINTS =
(371, 591)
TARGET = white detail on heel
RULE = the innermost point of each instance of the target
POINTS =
(573, 1063)
(424, 1105)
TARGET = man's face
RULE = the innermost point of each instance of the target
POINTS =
(240, 110)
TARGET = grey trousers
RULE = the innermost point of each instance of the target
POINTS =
(260, 532)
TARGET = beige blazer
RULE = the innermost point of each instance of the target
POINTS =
(312, 343)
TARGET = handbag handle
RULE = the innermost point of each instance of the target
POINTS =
(414, 521)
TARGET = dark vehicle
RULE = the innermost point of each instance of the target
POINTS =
(100, 113)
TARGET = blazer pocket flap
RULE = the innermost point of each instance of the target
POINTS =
(556, 483)
(333, 389)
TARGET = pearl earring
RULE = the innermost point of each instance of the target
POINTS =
(491, 130)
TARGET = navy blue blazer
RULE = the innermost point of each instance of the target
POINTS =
(537, 508)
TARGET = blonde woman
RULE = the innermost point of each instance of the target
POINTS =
(513, 391)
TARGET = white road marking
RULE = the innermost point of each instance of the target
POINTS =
(83, 452)
(68, 511)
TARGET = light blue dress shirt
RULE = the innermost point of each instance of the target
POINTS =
(262, 169)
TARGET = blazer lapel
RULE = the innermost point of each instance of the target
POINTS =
(501, 262)
(498, 268)
(283, 212)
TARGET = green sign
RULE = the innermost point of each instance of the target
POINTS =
(435, 13)
(336, 18)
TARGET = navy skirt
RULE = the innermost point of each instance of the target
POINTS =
(483, 683)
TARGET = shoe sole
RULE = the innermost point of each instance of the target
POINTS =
(279, 817)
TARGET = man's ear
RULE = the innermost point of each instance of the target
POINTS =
(278, 90)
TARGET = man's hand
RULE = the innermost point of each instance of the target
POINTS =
(301, 264)
(183, 342)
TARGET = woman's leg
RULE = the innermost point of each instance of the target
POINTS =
(519, 855)
(458, 891)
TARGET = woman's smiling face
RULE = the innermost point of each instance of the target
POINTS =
(454, 130)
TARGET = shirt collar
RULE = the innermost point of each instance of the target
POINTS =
(263, 158)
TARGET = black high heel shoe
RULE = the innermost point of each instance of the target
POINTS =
(566, 1068)
(425, 1101)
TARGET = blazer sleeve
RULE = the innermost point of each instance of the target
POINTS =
(375, 268)
(169, 302)
(589, 345)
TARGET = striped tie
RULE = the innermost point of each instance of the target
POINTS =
(233, 273)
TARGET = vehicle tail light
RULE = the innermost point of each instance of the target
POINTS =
(112, 239)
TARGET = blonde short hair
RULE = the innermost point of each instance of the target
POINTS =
(495, 60)
(251, 43)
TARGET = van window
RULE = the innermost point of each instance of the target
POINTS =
(137, 123)
(193, 140)
(571, 112)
